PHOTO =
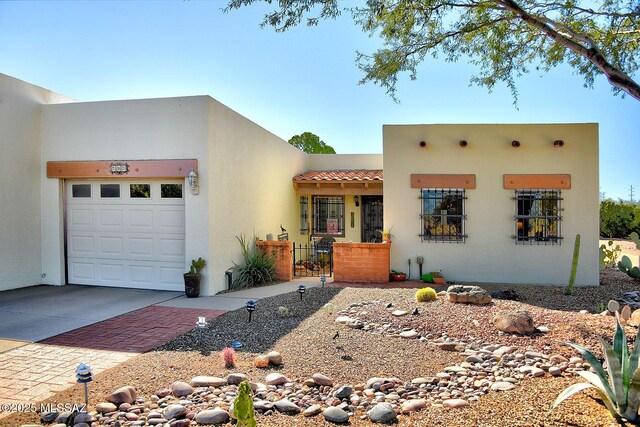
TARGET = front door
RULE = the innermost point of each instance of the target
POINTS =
(372, 220)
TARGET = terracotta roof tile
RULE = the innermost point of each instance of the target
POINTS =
(340, 175)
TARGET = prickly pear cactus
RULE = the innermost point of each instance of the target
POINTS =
(626, 267)
(243, 406)
(636, 239)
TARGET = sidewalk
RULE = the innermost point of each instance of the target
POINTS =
(35, 371)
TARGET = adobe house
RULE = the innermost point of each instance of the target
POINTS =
(126, 193)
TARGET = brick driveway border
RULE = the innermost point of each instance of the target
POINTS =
(137, 331)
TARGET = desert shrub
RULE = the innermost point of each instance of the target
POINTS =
(426, 294)
(618, 219)
(259, 267)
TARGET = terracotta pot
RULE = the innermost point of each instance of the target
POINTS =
(435, 273)
(398, 277)
(438, 281)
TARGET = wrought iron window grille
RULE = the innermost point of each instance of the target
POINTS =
(538, 217)
(443, 216)
(328, 215)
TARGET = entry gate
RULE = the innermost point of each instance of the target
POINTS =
(313, 259)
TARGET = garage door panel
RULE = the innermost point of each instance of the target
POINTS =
(128, 241)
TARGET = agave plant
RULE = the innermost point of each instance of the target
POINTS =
(620, 390)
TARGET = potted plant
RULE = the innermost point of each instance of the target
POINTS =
(192, 278)
(397, 276)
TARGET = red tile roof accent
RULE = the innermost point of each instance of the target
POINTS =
(340, 175)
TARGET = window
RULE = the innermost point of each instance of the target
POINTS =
(140, 191)
(538, 217)
(81, 191)
(304, 215)
(443, 215)
(110, 191)
(328, 215)
(171, 191)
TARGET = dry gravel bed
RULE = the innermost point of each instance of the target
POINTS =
(305, 340)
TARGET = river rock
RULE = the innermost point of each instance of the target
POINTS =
(180, 389)
(382, 413)
(413, 405)
(312, 411)
(286, 406)
(344, 392)
(468, 294)
(274, 358)
(174, 411)
(502, 386)
(322, 380)
(514, 322)
(205, 381)
(105, 407)
(335, 415)
(212, 416)
(455, 403)
(276, 378)
(412, 334)
(236, 378)
(126, 394)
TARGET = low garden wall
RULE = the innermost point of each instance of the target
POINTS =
(361, 262)
(281, 251)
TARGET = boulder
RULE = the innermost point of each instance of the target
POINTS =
(468, 294)
(514, 322)
(126, 394)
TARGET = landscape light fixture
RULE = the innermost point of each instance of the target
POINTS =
(250, 306)
(323, 279)
(193, 182)
(201, 324)
(301, 290)
(84, 376)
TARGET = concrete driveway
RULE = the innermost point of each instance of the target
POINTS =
(39, 312)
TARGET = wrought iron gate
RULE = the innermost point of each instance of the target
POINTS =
(313, 259)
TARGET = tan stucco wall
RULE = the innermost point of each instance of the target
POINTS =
(490, 253)
(174, 128)
(343, 161)
(20, 225)
(251, 187)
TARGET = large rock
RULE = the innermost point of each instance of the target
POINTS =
(468, 294)
(335, 415)
(287, 407)
(276, 378)
(274, 358)
(105, 407)
(383, 413)
(180, 389)
(205, 381)
(126, 394)
(514, 322)
(174, 411)
(236, 378)
(212, 416)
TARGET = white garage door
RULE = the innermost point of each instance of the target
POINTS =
(127, 234)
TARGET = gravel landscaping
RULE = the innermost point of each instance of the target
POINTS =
(452, 356)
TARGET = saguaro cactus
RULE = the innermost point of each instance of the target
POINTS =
(574, 267)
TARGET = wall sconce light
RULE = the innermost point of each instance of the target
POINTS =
(356, 199)
(463, 143)
(193, 182)
(423, 144)
(515, 144)
(558, 143)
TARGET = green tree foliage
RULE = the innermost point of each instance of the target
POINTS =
(503, 38)
(618, 219)
(311, 143)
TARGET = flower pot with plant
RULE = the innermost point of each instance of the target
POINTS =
(192, 278)
(397, 276)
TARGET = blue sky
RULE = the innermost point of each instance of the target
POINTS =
(301, 80)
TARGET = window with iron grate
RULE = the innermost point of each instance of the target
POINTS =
(538, 217)
(443, 215)
(304, 215)
(328, 215)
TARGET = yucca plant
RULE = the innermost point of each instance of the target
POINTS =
(258, 267)
(620, 389)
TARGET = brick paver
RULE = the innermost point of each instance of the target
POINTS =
(34, 372)
(137, 331)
